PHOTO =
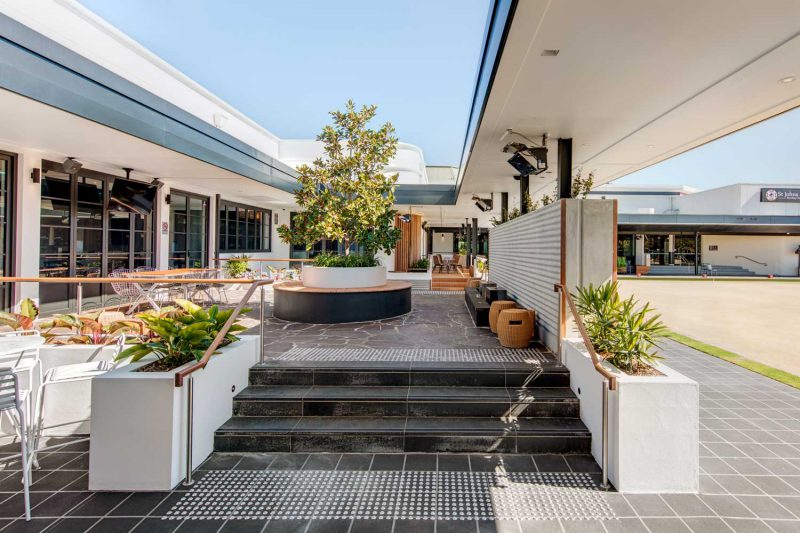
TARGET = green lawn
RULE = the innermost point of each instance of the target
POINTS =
(736, 359)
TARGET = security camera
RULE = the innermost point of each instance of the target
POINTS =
(482, 204)
(71, 166)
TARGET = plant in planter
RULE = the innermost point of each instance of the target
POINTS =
(28, 311)
(420, 265)
(620, 330)
(345, 261)
(178, 336)
(88, 329)
(346, 196)
(237, 266)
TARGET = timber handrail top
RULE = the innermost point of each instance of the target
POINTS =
(136, 279)
(596, 361)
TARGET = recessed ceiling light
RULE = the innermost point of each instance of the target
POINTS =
(787, 79)
(651, 146)
(551, 53)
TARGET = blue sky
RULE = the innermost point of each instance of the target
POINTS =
(766, 152)
(286, 63)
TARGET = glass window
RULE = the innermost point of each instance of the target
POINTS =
(244, 228)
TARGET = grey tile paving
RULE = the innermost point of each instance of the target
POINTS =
(750, 460)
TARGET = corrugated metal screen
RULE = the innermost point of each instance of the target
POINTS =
(525, 259)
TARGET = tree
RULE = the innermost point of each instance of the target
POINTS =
(346, 196)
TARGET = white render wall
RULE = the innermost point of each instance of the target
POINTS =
(778, 251)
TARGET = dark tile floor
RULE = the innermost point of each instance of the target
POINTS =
(750, 468)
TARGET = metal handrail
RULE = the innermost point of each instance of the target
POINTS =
(185, 375)
(609, 379)
(596, 361)
(133, 278)
(263, 260)
(750, 259)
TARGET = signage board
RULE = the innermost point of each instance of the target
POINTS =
(780, 194)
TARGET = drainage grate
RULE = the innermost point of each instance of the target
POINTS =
(459, 355)
(316, 494)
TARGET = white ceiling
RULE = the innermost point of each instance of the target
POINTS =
(634, 82)
(28, 124)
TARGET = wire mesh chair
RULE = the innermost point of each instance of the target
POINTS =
(128, 291)
(205, 288)
(15, 401)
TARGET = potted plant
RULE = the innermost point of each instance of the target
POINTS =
(236, 266)
(347, 197)
(138, 439)
(421, 265)
(653, 407)
(622, 265)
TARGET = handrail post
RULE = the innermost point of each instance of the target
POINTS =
(604, 485)
(79, 297)
(263, 317)
(188, 482)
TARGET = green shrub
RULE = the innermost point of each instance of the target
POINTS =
(236, 266)
(345, 261)
(178, 336)
(621, 331)
(622, 262)
(421, 264)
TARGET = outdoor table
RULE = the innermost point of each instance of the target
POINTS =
(151, 288)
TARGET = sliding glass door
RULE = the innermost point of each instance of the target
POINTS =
(188, 223)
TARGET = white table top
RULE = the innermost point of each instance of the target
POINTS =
(11, 345)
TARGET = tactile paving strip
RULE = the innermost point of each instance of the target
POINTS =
(448, 355)
(317, 494)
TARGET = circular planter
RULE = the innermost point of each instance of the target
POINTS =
(343, 277)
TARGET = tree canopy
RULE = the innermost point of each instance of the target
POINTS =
(346, 195)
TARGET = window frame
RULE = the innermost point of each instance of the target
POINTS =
(266, 215)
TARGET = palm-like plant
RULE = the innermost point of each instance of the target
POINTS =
(621, 331)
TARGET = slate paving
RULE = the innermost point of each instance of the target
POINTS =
(749, 458)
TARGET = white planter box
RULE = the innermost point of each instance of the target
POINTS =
(67, 405)
(343, 278)
(653, 429)
(138, 439)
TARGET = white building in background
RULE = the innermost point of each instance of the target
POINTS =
(741, 229)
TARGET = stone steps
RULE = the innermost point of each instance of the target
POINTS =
(403, 434)
(407, 374)
(380, 401)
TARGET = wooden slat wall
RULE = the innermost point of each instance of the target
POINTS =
(525, 259)
(407, 250)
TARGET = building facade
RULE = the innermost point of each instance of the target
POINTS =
(742, 229)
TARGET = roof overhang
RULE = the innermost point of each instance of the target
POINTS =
(634, 83)
(33, 66)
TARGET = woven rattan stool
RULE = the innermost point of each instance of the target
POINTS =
(473, 283)
(515, 328)
(495, 309)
